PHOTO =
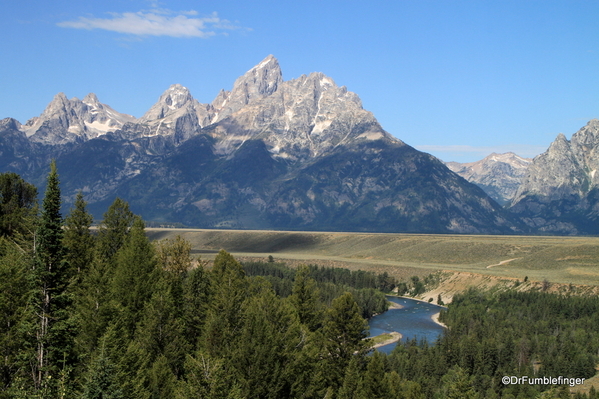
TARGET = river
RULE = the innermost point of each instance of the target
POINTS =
(412, 321)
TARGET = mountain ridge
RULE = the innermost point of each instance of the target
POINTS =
(269, 153)
(499, 175)
(560, 192)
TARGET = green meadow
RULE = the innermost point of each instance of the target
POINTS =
(556, 259)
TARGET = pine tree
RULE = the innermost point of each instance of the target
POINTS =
(15, 267)
(161, 330)
(374, 384)
(162, 382)
(352, 380)
(18, 218)
(79, 246)
(229, 292)
(457, 384)
(267, 342)
(134, 366)
(78, 240)
(114, 229)
(94, 305)
(54, 335)
(102, 382)
(18, 205)
(305, 298)
(205, 377)
(135, 274)
(393, 381)
(174, 255)
(344, 334)
(197, 292)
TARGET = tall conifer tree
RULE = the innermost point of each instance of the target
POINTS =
(344, 331)
(135, 274)
(94, 304)
(14, 289)
(78, 240)
(229, 292)
(305, 298)
(101, 382)
(18, 206)
(114, 228)
(54, 342)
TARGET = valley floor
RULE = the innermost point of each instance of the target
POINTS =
(478, 260)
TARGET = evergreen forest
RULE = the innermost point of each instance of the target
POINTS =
(102, 312)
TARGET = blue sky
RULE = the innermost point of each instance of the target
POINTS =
(458, 79)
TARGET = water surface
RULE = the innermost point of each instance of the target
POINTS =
(413, 321)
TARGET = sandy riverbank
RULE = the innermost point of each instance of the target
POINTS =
(394, 336)
(435, 318)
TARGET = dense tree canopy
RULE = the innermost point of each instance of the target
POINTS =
(18, 205)
(113, 315)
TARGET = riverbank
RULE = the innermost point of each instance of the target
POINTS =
(385, 339)
(435, 318)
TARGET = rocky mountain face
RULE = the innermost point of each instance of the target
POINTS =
(296, 154)
(499, 175)
(65, 121)
(176, 115)
(374, 186)
(297, 120)
(559, 194)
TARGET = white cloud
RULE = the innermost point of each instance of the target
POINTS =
(157, 22)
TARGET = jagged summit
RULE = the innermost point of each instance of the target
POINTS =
(10, 124)
(58, 124)
(568, 166)
(499, 175)
(72, 120)
(559, 192)
(174, 98)
(261, 81)
(176, 114)
(299, 118)
(587, 136)
(92, 100)
(58, 108)
(100, 118)
(269, 61)
(297, 154)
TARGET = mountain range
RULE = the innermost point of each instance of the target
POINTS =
(499, 175)
(273, 154)
(560, 192)
(554, 193)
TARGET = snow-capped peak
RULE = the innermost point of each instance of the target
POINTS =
(173, 99)
(66, 120)
(265, 62)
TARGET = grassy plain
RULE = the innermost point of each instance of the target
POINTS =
(564, 260)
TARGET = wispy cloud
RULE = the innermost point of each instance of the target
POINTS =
(156, 22)
(449, 151)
